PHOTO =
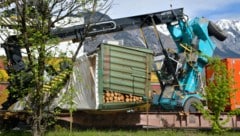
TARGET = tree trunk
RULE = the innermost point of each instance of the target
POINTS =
(37, 125)
(37, 128)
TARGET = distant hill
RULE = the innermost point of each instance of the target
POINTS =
(229, 48)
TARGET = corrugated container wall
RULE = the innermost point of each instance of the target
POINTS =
(115, 77)
(233, 66)
(125, 72)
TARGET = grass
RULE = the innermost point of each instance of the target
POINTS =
(93, 132)
(140, 133)
(14, 133)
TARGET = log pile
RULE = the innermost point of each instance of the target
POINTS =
(116, 97)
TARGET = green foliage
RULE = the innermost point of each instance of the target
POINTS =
(33, 23)
(3, 75)
(234, 112)
(68, 99)
(218, 92)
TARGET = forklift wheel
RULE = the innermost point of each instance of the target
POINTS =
(189, 105)
(215, 31)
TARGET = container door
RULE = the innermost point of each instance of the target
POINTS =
(233, 66)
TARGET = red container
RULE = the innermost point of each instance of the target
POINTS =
(233, 66)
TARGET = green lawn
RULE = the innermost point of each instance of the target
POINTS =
(122, 133)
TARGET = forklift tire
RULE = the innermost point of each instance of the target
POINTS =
(189, 105)
(214, 30)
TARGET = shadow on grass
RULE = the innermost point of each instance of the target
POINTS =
(14, 133)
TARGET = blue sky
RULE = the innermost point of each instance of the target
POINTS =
(211, 9)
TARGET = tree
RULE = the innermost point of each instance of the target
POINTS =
(35, 20)
(218, 93)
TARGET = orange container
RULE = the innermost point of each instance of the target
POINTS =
(233, 66)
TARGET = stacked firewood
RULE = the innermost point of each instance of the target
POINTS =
(112, 96)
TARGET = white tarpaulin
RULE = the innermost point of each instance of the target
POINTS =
(84, 91)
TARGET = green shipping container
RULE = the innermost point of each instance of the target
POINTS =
(124, 70)
(115, 77)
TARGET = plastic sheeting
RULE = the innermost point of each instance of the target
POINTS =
(82, 90)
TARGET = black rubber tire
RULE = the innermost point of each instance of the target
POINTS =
(189, 105)
(214, 30)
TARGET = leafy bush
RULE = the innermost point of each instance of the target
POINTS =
(218, 92)
(3, 75)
